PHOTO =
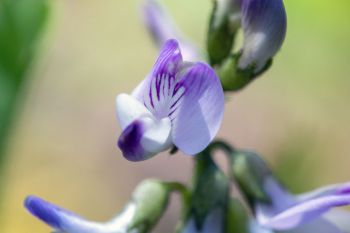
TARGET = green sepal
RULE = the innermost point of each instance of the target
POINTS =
(233, 78)
(237, 219)
(250, 172)
(151, 198)
(210, 189)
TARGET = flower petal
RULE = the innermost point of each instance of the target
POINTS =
(169, 60)
(264, 25)
(198, 116)
(340, 218)
(254, 227)
(129, 109)
(306, 211)
(151, 91)
(162, 28)
(144, 138)
(328, 190)
(68, 222)
(317, 226)
(280, 198)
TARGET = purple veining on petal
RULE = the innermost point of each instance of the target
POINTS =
(169, 60)
(130, 142)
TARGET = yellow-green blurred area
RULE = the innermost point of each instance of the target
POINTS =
(63, 144)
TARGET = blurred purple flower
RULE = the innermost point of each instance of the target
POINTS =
(303, 213)
(264, 26)
(162, 28)
(67, 222)
(178, 103)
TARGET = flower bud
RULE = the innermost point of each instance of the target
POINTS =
(250, 172)
(222, 30)
(264, 27)
(150, 198)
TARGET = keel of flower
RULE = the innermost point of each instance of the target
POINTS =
(179, 103)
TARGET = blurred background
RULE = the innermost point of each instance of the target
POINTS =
(62, 143)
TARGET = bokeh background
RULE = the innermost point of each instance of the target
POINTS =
(62, 146)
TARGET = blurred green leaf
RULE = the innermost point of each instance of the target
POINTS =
(21, 24)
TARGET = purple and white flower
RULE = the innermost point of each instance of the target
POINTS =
(162, 28)
(303, 213)
(264, 26)
(178, 103)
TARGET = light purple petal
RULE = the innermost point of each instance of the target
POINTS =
(340, 218)
(65, 221)
(264, 25)
(254, 227)
(144, 138)
(317, 226)
(162, 28)
(169, 60)
(306, 211)
(343, 188)
(198, 116)
(281, 199)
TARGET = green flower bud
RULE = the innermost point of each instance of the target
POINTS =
(222, 30)
(250, 171)
(150, 198)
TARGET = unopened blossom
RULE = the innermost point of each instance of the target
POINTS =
(162, 28)
(264, 26)
(178, 103)
(139, 216)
